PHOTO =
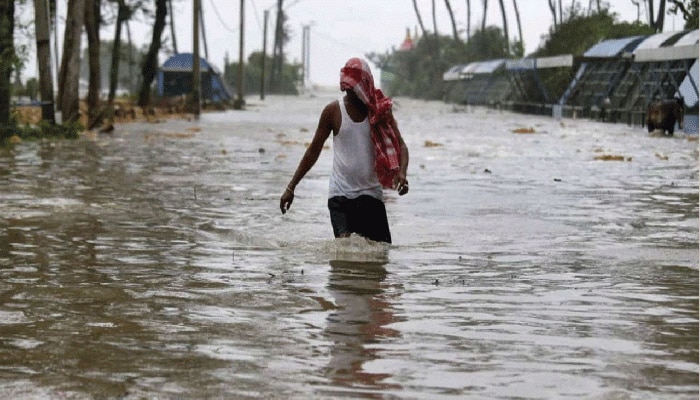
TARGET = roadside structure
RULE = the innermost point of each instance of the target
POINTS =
(175, 79)
(613, 81)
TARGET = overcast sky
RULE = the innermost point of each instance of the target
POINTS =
(341, 29)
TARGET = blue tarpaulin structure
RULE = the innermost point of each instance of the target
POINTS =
(175, 79)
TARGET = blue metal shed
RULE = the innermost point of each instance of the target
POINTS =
(175, 79)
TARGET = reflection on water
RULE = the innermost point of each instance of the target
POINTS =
(154, 263)
(358, 327)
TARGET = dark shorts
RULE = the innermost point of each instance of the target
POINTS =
(365, 216)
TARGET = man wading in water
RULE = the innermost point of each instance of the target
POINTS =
(368, 153)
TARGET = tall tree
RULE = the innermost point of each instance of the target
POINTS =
(43, 58)
(688, 10)
(455, 34)
(278, 49)
(172, 26)
(657, 22)
(521, 50)
(505, 27)
(123, 14)
(92, 28)
(553, 10)
(69, 74)
(469, 20)
(7, 57)
(420, 20)
(435, 28)
(150, 63)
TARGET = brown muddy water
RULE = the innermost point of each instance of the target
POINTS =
(154, 263)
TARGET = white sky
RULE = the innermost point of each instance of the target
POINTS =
(341, 29)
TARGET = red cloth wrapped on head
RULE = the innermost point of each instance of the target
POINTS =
(357, 76)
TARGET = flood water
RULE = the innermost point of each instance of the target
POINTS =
(155, 263)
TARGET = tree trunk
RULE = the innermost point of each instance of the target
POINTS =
(455, 34)
(277, 50)
(520, 29)
(483, 20)
(469, 20)
(69, 75)
(43, 58)
(420, 20)
(150, 64)
(650, 16)
(133, 83)
(505, 26)
(172, 26)
(92, 28)
(122, 14)
(561, 13)
(659, 26)
(553, 9)
(7, 56)
(435, 29)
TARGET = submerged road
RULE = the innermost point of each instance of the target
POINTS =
(533, 258)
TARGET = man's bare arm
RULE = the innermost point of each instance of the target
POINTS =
(323, 130)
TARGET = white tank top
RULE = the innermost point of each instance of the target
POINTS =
(353, 160)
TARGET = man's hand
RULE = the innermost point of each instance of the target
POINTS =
(401, 184)
(286, 200)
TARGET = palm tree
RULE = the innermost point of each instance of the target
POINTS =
(452, 19)
(420, 20)
(658, 22)
(520, 28)
(469, 20)
(505, 26)
(553, 10)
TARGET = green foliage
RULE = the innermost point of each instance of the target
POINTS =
(418, 72)
(488, 44)
(689, 11)
(289, 80)
(30, 89)
(580, 32)
(12, 131)
(129, 78)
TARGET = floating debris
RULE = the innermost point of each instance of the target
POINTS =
(661, 156)
(524, 130)
(612, 157)
(429, 143)
(179, 135)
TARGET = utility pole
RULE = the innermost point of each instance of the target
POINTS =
(307, 60)
(239, 103)
(305, 54)
(203, 31)
(264, 56)
(55, 41)
(196, 78)
(43, 46)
